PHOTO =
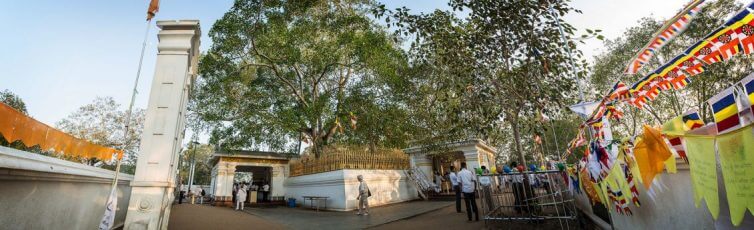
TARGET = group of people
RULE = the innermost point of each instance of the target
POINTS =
(199, 194)
(241, 190)
(464, 183)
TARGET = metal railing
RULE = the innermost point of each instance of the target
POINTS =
(533, 197)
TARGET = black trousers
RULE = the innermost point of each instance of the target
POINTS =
(457, 189)
(470, 199)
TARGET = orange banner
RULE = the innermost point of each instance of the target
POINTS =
(15, 126)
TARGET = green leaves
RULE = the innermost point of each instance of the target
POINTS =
(278, 69)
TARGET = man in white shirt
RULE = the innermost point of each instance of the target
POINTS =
(265, 191)
(468, 187)
(363, 197)
(456, 187)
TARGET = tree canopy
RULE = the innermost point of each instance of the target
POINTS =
(279, 70)
(505, 63)
(102, 122)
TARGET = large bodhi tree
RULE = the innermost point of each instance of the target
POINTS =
(280, 69)
(505, 61)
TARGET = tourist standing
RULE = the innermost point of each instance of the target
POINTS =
(438, 181)
(240, 197)
(456, 187)
(265, 191)
(235, 190)
(363, 197)
(181, 194)
(201, 198)
(468, 187)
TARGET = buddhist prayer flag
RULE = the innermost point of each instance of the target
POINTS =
(680, 82)
(670, 29)
(677, 127)
(692, 121)
(736, 151)
(619, 91)
(748, 87)
(745, 29)
(703, 168)
(690, 65)
(154, 6)
(725, 110)
(651, 152)
(705, 51)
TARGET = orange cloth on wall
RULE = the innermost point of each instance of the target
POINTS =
(37, 135)
(15, 126)
(8, 118)
(53, 140)
(22, 130)
(651, 152)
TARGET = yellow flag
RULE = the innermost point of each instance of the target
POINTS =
(670, 165)
(736, 150)
(674, 127)
(651, 152)
(703, 168)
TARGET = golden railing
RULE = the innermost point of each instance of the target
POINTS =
(350, 158)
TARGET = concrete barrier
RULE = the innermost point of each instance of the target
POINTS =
(40, 192)
(341, 186)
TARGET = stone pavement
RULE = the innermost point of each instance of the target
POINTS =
(302, 218)
(194, 216)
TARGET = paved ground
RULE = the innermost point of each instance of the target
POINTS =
(189, 216)
(300, 218)
(445, 218)
(411, 216)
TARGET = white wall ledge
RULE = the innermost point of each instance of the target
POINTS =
(16, 163)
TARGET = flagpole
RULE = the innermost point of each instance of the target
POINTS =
(127, 126)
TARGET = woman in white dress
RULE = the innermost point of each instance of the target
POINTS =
(241, 197)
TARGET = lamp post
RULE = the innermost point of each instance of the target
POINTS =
(193, 164)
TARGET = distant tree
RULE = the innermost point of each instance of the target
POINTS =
(13, 100)
(202, 170)
(102, 122)
(501, 65)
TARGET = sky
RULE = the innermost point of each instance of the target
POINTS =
(60, 55)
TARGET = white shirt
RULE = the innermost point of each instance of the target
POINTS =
(467, 180)
(363, 188)
(453, 179)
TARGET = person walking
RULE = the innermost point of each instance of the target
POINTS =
(363, 197)
(468, 187)
(456, 187)
(240, 197)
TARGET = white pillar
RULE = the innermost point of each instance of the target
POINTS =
(226, 171)
(156, 168)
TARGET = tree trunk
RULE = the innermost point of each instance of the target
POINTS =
(517, 139)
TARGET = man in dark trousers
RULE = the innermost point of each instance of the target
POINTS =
(456, 187)
(468, 187)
